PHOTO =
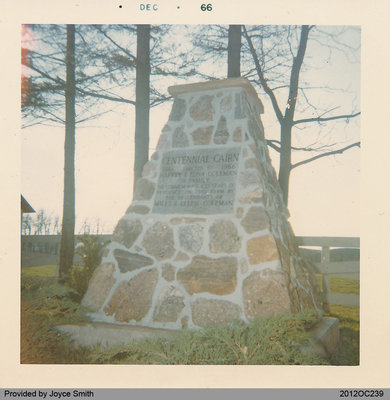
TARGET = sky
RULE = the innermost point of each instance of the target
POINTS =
(324, 195)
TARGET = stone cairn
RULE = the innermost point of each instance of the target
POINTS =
(206, 238)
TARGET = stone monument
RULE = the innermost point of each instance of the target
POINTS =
(206, 239)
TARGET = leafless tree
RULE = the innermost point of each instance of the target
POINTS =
(274, 58)
(68, 216)
(291, 58)
(27, 224)
(234, 51)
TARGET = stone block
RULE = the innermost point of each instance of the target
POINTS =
(179, 138)
(178, 110)
(252, 163)
(249, 178)
(144, 189)
(221, 134)
(255, 130)
(131, 261)
(168, 272)
(149, 170)
(262, 249)
(203, 109)
(158, 241)
(213, 275)
(180, 257)
(132, 299)
(138, 209)
(265, 294)
(164, 142)
(254, 196)
(169, 305)
(202, 135)
(226, 104)
(255, 220)
(167, 128)
(240, 110)
(224, 237)
(127, 232)
(191, 237)
(99, 286)
(214, 312)
(237, 135)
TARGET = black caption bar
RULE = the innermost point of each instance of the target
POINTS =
(194, 394)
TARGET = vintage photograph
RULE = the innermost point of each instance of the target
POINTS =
(190, 194)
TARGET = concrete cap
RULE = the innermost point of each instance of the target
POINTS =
(218, 84)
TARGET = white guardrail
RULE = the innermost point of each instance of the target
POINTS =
(328, 268)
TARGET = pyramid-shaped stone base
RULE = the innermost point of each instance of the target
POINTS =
(206, 239)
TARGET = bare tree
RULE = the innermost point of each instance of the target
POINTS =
(286, 115)
(40, 223)
(273, 58)
(56, 225)
(68, 218)
(85, 228)
(27, 224)
(141, 154)
(234, 50)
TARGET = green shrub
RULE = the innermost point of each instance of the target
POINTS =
(90, 250)
(281, 340)
(44, 305)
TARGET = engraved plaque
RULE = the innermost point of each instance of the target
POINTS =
(197, 181)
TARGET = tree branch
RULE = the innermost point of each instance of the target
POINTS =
(319, 119)
(340, 151)
(295, 71)
(102, 96)
(115, 43)
(85, 92)
(271, 143)
(275, 144)
(263, 81)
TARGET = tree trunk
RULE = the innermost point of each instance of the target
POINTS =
(287, 121)
(234, 49)
(285, 160)
(68, 219)
(141, 151)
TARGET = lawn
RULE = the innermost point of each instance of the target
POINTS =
(279, 340)
(349, 318)
(44, 270)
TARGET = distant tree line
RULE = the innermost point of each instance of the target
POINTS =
(45, 223)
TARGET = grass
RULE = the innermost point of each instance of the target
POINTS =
(349, 318)
(43, 270)
(278, 340)
(281, 340)
(45, 304)
(343, 285)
